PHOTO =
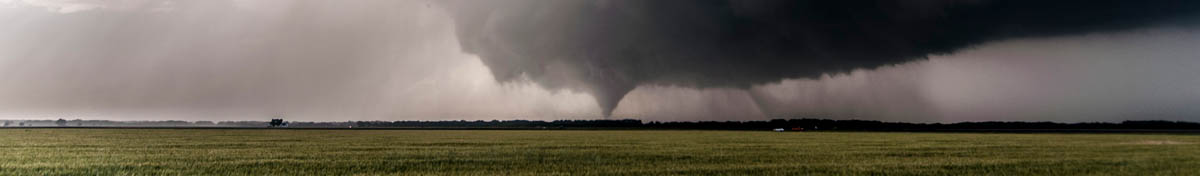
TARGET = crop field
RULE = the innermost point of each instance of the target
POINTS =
(563, 152)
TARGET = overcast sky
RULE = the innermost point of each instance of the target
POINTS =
(405, 60)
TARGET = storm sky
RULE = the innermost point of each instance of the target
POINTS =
(933, 61)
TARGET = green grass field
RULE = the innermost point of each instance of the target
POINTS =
(415, 152)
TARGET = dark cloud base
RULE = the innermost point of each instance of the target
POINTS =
(609, 47)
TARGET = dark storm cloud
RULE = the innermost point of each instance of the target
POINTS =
(608, 47)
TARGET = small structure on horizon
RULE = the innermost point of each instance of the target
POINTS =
(779, 130)
(278, 123)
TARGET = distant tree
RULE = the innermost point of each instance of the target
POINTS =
(61, 122)
(277, 122)
(78, 122)
(21, 124)
(5, 123)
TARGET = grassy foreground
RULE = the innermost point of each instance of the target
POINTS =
(409, 152)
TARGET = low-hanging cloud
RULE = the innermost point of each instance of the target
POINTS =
(609, 47)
